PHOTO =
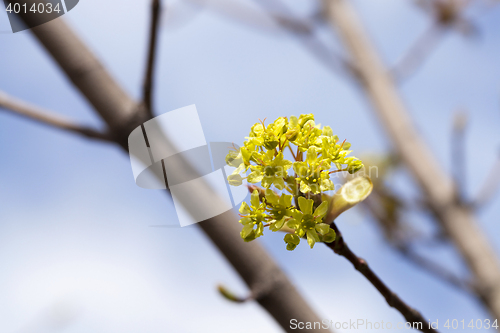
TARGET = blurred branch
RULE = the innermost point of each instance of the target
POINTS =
(230, 296)
(147, 91)
(489, 188)
(456, 220)
(458, 156)
(433, 268)
(303, 30)
(313, 44)
(386, 208)
(390, 222)
(417, 53)
(45, 117)
(339, 246)
(277, 294)
(446, 15)
(245, 14)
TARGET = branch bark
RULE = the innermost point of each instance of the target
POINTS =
(148, 84)
(456, 220)
(275, 292)
(340, 247)
(458, 156)
(490, 187)
(48, 118)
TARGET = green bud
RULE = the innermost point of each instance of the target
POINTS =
(247, 229)
(235, 180)
(231, 157)
(304, 118)
(229, 295)
(327, 131)
(292, 134)
(250, 237)
(292, 239)
(312, 238)
(352, 193)
(322, 228)
(330, 236)
(270, 143)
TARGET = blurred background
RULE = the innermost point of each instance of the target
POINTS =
(83, 249)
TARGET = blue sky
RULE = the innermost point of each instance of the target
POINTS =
(76, 246)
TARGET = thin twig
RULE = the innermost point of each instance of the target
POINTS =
(400, 244)
(229, 295)
(286, 20)
(490, 187)
(447, 15)
(278, 10)
(245, 14)
(434, 268)
(418, 52)
(147, 91)
(43, 116)
(458, 155)
(340, 247)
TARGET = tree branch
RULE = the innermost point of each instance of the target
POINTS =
(446, 15)
(455, 219)
(373, 205)
(340, 247)
(303, 30)
(489, 188)
(458, 157)
(148, 84)
(434, 268)
(418, 53)
(245, 14)
(307, 38)
(262, 275)
(45, 117)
